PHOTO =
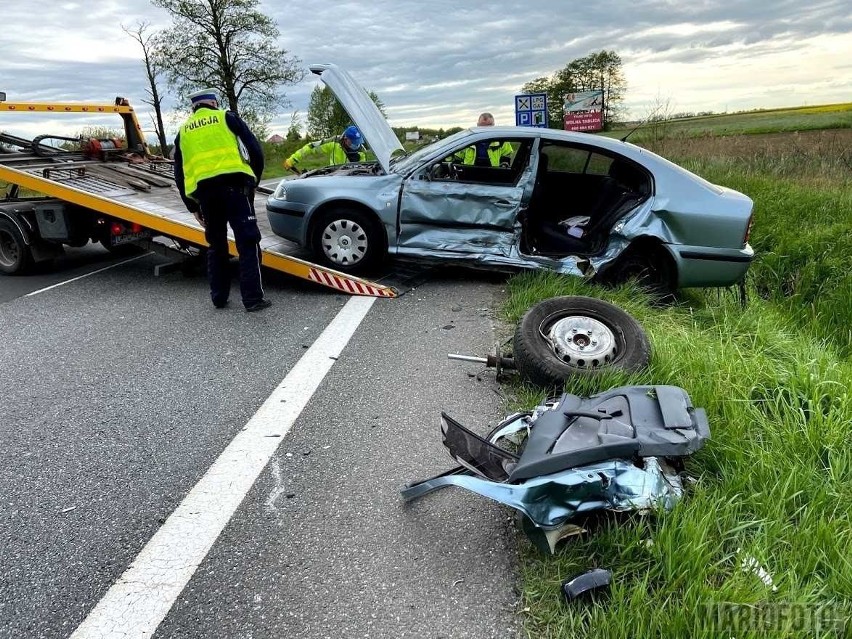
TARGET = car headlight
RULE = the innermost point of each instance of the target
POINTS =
(280, 192)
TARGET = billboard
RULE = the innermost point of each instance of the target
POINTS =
(583, 111)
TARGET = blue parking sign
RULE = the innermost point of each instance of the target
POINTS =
(531, 109)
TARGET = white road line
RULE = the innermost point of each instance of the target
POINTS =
(138, 602)
(80, 277)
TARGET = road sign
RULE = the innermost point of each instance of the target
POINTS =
(531, 109)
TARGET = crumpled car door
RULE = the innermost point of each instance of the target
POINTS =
(450, 218)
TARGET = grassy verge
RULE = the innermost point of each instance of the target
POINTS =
(775, 481)
(803, 217)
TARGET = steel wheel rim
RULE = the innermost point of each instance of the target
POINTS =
(580, 341)
(9, 253)
(344, 242)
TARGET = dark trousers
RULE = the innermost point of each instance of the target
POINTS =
(223, 203)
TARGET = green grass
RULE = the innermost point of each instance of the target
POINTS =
(775, 480)
(829, 116)
(803, 239)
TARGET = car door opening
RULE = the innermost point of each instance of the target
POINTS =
(577, 198)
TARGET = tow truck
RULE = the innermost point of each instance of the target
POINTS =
(62, 191)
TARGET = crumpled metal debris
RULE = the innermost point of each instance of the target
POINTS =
(638, 481)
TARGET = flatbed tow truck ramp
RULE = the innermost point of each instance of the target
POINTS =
(115, 192)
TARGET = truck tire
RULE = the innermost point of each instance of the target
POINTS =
(577, 336)
(15, 256)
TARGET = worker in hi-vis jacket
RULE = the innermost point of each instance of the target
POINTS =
(346, 148)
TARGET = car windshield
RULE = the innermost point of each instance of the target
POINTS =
(402, 164)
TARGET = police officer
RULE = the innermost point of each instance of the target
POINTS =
(218, 164)
(346, 148)
(494, 153)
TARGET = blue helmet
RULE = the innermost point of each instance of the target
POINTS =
(354, 136)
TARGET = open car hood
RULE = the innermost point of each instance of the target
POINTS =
(363, 111)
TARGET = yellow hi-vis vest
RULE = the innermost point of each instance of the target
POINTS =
(209, 148)
(496, 152)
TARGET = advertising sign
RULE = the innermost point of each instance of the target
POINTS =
(531, 109)
(583, 111)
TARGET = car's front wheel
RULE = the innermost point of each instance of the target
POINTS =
(348, 240)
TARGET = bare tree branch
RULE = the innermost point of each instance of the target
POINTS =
(229, 45)
(142, 34)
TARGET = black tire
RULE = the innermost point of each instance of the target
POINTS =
(348, 240)
(613, 339)
(652, 272)
(15, 256)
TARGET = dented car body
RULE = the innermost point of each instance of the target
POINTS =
(618, 450)
(569, 202)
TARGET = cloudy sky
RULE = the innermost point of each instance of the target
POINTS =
(440, 63)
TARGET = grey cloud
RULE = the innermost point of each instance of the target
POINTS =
(432, 62)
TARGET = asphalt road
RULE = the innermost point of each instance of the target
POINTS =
(75, 262)
(120, 391)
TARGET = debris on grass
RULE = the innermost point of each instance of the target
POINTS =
(751, 565)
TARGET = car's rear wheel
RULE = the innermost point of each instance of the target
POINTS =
(651, 271)
(348, 240)
(577, 336)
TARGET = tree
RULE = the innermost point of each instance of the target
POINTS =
(231, 46)
(555, 96)
(596, 71)
(141, 34)
(295, 130)
(327, 117)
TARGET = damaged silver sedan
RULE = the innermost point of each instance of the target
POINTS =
(570, 202)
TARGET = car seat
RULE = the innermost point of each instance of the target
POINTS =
(602, 451)
(622, 188)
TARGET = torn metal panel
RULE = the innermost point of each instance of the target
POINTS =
(463, 218)
(611, 451)
(647, 221)
(481, 243)
(551, 500)
(511, 261)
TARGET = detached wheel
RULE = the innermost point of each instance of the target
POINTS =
(568, 336)
(15, 256)
(348, 240)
